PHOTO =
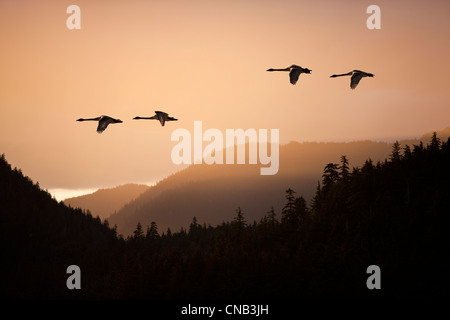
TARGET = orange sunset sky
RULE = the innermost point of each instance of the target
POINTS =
(207, 60)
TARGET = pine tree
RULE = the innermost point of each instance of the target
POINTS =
(301, 210)
(193, 226)
(239, 220)
(435, 143)
(395, 155)
(294, 210)
(407, 151)
(138, 233)
(289, 208)
(330, 175)
(317, 198)
(271, 217)
(344, 168)
(114, 229)
(152, 231)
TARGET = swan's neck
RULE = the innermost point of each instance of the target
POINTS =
(91, 119)
(286, 69)
(344, 74)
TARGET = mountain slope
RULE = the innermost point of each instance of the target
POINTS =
(104, 202)
(391, 217)
(40, 238)
(212, 193)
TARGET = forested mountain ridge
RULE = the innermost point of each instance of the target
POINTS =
(212, 192)
(392, 214)
(40, 238)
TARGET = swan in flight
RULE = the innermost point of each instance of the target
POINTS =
(294, 72)
(103, 122)
(161, 116)
(357, 75)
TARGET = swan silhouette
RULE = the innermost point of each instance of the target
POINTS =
(159, 115)
(357, 75)
(103, 122)
(294, 72)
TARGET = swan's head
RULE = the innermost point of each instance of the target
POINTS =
(269, 69)
(118, 121)
(81, 119)
(136, 118)
(333, 76)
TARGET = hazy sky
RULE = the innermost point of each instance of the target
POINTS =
(207, 60)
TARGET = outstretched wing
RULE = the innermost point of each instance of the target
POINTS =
(294, 74)
(103, 124)
(161, 117)
(356, 77)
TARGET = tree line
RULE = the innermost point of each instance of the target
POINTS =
(392, 214)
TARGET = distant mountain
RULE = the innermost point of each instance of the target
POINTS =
(212, 193)
(390, 215)
(104, 202)
(443, 134)
(381, 226)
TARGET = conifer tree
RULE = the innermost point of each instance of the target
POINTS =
(152, 231)
(435, 142)
(407, 151)
(239, 220)
(271, 217)
(193, 226)
(289, 209)
(138, 233)
(344, 168)
(395, 155)
(330, 175)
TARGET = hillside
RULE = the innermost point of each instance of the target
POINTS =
(213, 192)
(391, 215)
(104, 202)
(40, 238)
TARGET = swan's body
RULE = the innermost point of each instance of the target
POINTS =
(159, 115)
(103, 122)
(294, 72)
(357, 75)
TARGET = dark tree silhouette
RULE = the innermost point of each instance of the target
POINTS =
(395, 155)
(330, 175)
(392, 214)
(152, 231)
(138, 233)
(344, 173)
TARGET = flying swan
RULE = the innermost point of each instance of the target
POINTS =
(103, 122)
(357, 75)
(159, 115)
(294, 72)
